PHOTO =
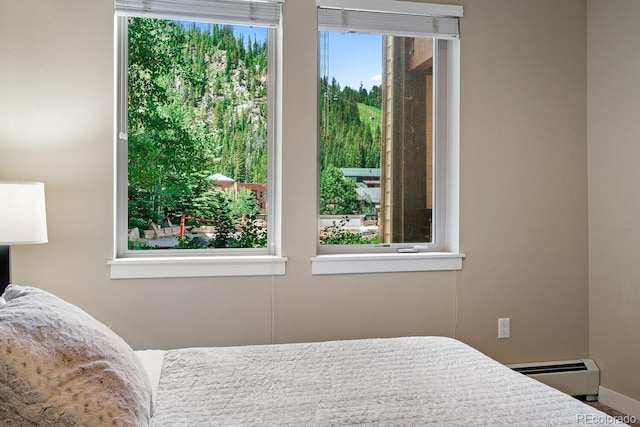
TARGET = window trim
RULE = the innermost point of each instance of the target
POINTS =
(193, 266)
(385, 263)
(186, 262)
(445, 254)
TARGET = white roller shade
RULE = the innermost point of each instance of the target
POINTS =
(257, 13)
(394, 18)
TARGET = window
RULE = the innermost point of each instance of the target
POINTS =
(388, 129)
(196, 134)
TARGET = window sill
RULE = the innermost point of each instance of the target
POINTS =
(386, 263)
(220, 266)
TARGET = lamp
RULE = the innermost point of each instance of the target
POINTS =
(23, 220)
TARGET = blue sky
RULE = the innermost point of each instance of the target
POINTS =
(354, 58)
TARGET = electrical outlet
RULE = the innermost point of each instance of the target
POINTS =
(504, 328)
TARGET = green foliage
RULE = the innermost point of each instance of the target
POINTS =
(338, 194)
(336, 234)
(211, 204)
(242, 204)
(139, 245)
(349, 126)
(138, 223)
(233, 218)
(371, 115)
(214, 206)
(252, 233)
(188, 242)
(197, 105)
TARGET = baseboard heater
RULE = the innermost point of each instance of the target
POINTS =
(574, 377)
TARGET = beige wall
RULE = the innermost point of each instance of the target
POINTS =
(614, 204)
(523, 191)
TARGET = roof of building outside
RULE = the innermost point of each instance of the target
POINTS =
(361, 172)
(218, 177)
(369, 194)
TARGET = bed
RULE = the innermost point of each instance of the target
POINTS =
(90, 376)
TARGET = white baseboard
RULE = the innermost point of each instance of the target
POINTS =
(619, 402)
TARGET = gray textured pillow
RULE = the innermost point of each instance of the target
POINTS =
(60, 366)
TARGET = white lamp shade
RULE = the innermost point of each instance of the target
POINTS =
(23, 218)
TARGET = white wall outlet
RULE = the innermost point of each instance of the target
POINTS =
(504, 327)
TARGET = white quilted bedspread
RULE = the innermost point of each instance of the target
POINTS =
(397, 381)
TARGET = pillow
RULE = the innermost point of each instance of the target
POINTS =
(60, 366)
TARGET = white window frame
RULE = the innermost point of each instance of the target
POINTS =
(127, 264)
(374, 16)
